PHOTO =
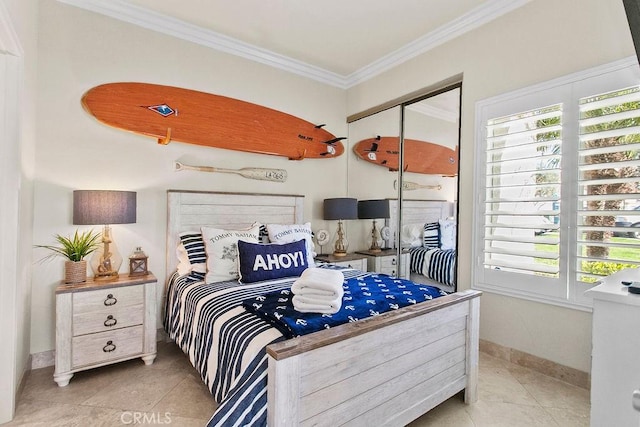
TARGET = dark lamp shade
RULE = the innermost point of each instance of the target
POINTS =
(340, 208)
(373, 209)
(93, 207)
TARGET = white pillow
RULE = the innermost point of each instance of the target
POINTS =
(411, 235)
(447, 234)
(222, 251)
(281, 233)
(184, 265)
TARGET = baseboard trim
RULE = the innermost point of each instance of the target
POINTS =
(547, 367)
(43, 359)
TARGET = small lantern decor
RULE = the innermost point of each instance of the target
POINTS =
(138, 263)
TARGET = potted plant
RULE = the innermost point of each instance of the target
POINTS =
(75, 249)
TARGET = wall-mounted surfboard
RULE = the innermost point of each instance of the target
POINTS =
(419, 156)
(170, 113)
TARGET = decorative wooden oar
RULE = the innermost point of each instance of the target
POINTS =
(410, 186)
(263, 174)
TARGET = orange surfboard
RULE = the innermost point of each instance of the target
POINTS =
(419, 156)
(170, 113)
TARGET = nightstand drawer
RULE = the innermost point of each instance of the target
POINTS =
(102, 347)
(391, 271)
(92, 301)
(358, 264)
(388, 262)
(108, 319)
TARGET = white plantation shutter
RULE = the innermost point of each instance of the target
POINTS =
(522, 194)
(608, 182)
(557, 180)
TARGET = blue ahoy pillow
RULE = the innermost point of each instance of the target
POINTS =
(258, 262)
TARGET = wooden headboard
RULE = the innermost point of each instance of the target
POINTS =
(415, 212)
(190, 210)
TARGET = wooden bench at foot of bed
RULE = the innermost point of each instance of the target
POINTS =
(384, 370)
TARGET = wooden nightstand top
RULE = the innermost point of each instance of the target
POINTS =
(331, 258)
(91, 285)
(384, 252)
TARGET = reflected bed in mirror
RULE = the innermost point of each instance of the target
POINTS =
(428, 234)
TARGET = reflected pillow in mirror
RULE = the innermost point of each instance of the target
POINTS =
(431, 236)
(447, 234)
(411, 235)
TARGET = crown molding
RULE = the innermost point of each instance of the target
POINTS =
(170, 26)
(476, 18)
(145, 18)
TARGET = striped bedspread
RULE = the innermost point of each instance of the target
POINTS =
(436, 264)
(225, 343)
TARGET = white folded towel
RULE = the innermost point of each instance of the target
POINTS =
(307, 304)
(319, 282)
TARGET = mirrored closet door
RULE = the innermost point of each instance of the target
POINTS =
(418, 237)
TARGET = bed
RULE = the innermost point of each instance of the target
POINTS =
(384, 370)
(431, 266)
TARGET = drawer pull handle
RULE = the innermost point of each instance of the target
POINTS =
(110, 300)
(393, 261)
(110, 321)
(109, 347)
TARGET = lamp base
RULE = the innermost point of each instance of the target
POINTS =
(341, 245)
(106, 259)
(105, 277)
(375, 239)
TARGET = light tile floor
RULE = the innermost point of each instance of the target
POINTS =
(170, 392)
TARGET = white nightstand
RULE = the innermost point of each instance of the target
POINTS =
(385, 262)
(99, 323)
(354, 260)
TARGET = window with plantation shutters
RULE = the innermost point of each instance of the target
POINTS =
(608, 183)
(558, 185)
(522, 221)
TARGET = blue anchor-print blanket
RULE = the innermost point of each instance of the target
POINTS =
(364, 296)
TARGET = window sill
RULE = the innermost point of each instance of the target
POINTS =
(574, 305)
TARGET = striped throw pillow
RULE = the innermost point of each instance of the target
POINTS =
(431, 236)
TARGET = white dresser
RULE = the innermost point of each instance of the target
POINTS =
(98, 323)
(615, 363)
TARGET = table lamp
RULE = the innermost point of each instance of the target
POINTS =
(340, 208)
(374, 209)
(106, 207)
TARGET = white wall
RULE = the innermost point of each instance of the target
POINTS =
(18, 42)
(539, 41)
(78, 50)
